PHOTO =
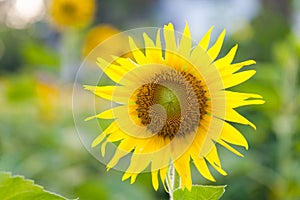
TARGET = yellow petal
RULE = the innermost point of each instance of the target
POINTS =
(133, 178)
(170, 38)
(114, 72)
(202, 168)
(148, 42)
(143, 154)
(125, 147)
(226, 60)
(233, 136)
(237, 78)
(171, 47)
(138, 163)
(105, 92)
(126, 176)
(224, 144)
(107, 114)
(213, 157)
(137, 53)
(114, 93)
(154, 176)
(126, 63)
(98, 139)
(158, 41)
(237, 99)
(228, 70)
(182, 166)
(237, 66)
(116, 136)
(185, 42)
(129, 175)
(206, 39)
(163, 173)
(200, 59)
(153, 54)
(112, 128)
(216, 167)
(214, 51)
(234, 116)
(103, 148)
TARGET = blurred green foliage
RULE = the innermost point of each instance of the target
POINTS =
(38, 138)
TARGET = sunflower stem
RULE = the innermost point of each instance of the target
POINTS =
(172, 180)
(69, 55)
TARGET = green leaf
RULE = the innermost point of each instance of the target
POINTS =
(17, 188)
(201, 192)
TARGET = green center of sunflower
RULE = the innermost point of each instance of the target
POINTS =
(168, 99)
(172, 104)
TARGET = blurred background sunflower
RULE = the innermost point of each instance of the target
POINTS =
(72, 13)
(37, 134)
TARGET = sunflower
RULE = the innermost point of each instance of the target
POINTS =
(97, 35)
(72, 13)
(173, 106)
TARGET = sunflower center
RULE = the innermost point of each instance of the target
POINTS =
(68, 8)
(181, 99)
(168, 99)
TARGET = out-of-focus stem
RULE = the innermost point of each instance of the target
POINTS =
(70, 55)
(172, 180)
(285, 124)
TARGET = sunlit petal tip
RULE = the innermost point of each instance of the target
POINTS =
(214, 51)
(165, 187)
(146, 37)
(252, 125)
(89, 87)
(126, 176)
(94, 144)
(235, 47)
(97, 141)
(212, 179)
(247, 147)
(149, 45)
(90, 118)
(103, 148)
(221, 171)
(170, 26)
(155, 187)
(206, 39)
(132, 43)
(187, 32)
(133, 178)
(162, 173)
(158, 40)
(230, 148)
(246, 63)
(154, 177)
